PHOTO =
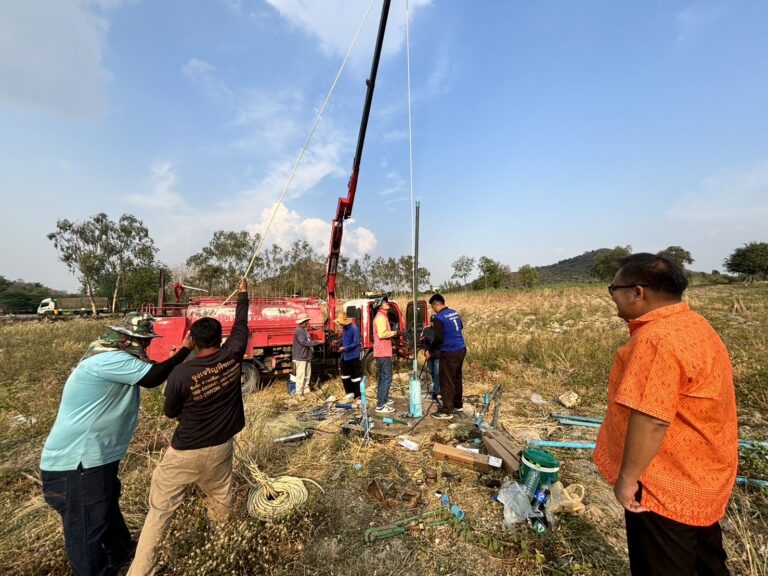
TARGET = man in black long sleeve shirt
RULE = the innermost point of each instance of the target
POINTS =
(204, 394)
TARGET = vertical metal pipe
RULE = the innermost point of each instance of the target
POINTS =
(415, 290)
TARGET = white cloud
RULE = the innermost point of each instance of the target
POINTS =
(322, 159)
(203, 74)
(696, 20)
(334, 22)
(438, 81)
(161, 193)
(235, 5)
(286, 226)
(51, 56)
(396, 184)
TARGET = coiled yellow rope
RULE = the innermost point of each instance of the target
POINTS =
(271, 498)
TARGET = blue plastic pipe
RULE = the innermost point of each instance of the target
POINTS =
(751, 481)
(569, 422)
(580, 418)
(557, 444)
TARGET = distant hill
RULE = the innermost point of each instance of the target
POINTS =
(576, 269)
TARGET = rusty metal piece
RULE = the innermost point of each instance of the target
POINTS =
(376, 491)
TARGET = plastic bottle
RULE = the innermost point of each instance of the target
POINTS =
(531, 483)
(539, 523)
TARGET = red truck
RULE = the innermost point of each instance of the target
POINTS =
(272, 321)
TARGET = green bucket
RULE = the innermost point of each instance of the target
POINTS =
(537, 467)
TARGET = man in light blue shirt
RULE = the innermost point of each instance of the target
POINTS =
(93, 428)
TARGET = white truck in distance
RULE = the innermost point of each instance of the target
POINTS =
(60, 306)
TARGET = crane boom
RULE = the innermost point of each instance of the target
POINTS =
(344, 207)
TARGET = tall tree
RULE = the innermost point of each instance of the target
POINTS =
(678, 255)
(528, 275)
(405, 275)
(219, 265)
(607, 262)
(462, 268)
(132, 248)
(86, 248)
(492, 273)
(751, 260)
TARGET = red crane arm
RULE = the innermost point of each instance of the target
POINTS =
(344, 207)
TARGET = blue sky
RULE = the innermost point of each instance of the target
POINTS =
(540, 129)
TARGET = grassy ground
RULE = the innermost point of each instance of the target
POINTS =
(544, 341)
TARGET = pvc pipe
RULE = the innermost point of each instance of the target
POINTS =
(569, 422)
(753, 481)
(580, 418)
(752, 444)
(556, 444)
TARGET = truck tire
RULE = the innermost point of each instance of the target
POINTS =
(370, 368)
(250, 378)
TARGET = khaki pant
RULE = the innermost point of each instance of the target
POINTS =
(303, 373)
(209, 468)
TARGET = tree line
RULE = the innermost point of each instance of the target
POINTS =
(117, 259)
(298, 269)
(748, 262)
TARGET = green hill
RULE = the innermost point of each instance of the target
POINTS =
(576, 269)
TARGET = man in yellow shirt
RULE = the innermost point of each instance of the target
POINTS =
(382, 351)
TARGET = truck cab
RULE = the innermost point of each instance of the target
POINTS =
(47, 308)
(363, 311)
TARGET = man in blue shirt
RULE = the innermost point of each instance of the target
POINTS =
(351, 366)
(93, 428)
(449, 340)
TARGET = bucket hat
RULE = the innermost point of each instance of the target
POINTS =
(136, 325)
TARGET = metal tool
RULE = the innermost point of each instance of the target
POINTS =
(399, 527)
(295, 437)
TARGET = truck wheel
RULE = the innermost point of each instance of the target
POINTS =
(370, 368)
(250, 378)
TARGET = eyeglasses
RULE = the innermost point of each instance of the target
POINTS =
(613, 287)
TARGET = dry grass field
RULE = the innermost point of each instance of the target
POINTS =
(545, 341)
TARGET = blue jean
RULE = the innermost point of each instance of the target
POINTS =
(385, 381)
(95, 535)
(433, 364)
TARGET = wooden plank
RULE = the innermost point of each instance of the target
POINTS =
(482, 462)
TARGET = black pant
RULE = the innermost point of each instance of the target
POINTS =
(659, 546)
(95, 535)
(451, 386)
(351, 373)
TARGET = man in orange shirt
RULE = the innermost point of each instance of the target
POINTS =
(669, 443)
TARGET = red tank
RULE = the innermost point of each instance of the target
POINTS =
(271, 324)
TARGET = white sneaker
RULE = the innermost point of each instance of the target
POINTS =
(389, 403)
(385, 409)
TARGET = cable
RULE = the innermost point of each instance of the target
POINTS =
(275, 497)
